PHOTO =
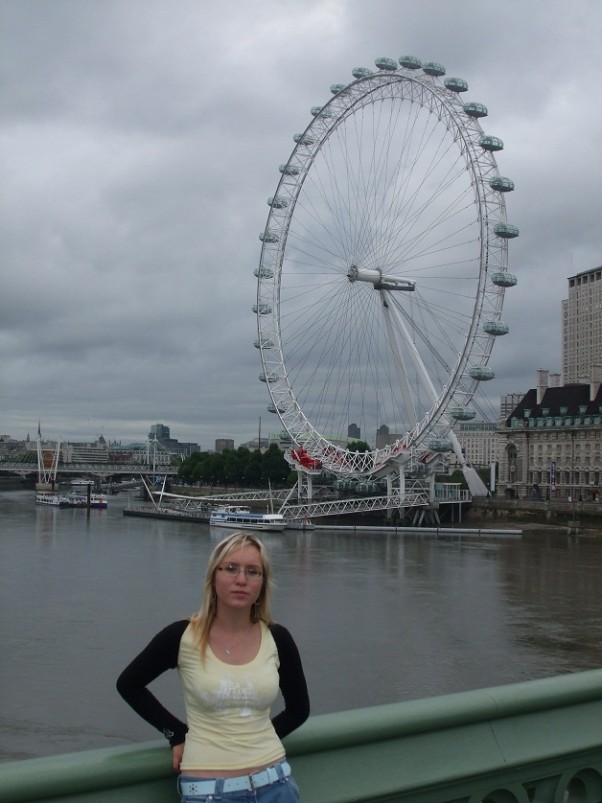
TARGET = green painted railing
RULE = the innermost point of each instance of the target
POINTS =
(533, 742)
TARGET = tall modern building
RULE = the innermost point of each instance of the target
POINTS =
(582, 326)
(508, 403)
(353, 431)
(161, 434)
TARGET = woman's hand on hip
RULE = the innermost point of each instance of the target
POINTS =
(176, 756)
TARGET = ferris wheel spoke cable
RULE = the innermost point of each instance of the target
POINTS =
(411, 165)
(410, 244)
(423, 333)
(349, 350)
(456, 203)
(330, 252)
(314, 328)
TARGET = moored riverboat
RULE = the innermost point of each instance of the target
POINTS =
(242, 518)
(168, 513)
(81, 500)
(51, 498)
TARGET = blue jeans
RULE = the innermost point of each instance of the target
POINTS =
(282, 790)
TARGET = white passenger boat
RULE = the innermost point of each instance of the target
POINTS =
(81, 500)
(51, 498)
(242, 518)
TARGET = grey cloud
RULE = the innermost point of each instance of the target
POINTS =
(140, 141)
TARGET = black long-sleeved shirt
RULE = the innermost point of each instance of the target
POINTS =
(161, 654)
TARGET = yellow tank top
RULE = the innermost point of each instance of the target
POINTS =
(228, 707)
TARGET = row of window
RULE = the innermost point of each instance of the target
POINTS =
(544, 465)
(567, 478)
(585, 278)
(566, 455)
(558, 421)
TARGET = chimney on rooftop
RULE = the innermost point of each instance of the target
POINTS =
(555, 380)
(542, 383)
(595, 381)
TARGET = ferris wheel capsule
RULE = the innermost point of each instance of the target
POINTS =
(410, 62)
(440, 445)
(475, 109)
(456, 84)
(496, 328)
(264, 343)
(506, 230)
(289, 170)
(491, 143)
(269, 378)
(482, 373)
(433, 68)
(303, 139)
(277, 202)
(268, 237)
(321, 111)
(501, 184)
(504, 279)
(263, 272)
(384, 63)
(461, 413)
(361, 72)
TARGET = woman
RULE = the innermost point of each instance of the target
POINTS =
(232, 659)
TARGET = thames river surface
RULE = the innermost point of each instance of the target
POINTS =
(378, 617)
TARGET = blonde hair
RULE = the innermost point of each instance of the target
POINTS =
(202, 620)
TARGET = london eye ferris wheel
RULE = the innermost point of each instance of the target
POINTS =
(383, 267)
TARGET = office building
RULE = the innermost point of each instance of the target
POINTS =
(582, 326)
(479, 442)
(160, 433)
(552, 442)
(354, 432)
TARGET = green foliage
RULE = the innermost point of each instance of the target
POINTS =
(358, 446)
(456, 476)
(236, 468)
(275, 469)
(485, 475)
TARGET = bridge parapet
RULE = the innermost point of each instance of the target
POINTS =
(535, 741)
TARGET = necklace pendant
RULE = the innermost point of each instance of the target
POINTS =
(228, 650)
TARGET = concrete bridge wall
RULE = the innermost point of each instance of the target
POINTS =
(534, 741)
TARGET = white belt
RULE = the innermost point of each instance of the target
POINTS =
(211, 786)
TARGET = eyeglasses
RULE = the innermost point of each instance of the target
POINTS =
(233, 570)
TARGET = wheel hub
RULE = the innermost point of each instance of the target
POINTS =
(379, 280)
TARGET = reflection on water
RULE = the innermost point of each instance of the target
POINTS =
(555, 585)
(378, 617)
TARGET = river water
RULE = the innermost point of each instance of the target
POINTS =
(378, 617)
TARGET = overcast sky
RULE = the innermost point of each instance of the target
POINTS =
(140, 140)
